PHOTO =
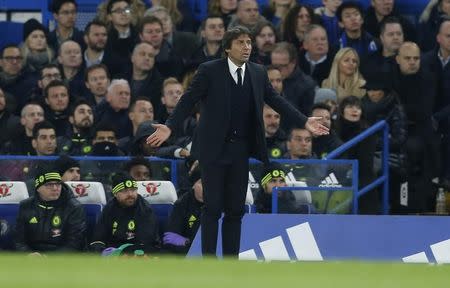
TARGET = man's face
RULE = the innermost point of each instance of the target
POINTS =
(265, 40)
(214, 30)
(48, 75)
(271, 121)
(82, 117)
(275, 79)
(45, 143)
(166, 21)
(97, 38)
(352, 20)
(50, 191)
(12, 61)
(127, 197)
(240, 49)
(105, 136)
(70, 55)
(375, 95)
(443, 37)
(275, 182)
(171, 95)
(392, 37)
(383, 7)
(32, 114)
(36, 41)
(408, 59)
(317, 43)
(71, 174)
(143, 57)
(140, 173)
(2, 101)
(66, 16)
(97, 82)
(120, 14)
(282, 62)
(300, 145)
(325, 116)
(143, 111)
(152, 33)
(119, 97)
(57, 98)
(248, 12)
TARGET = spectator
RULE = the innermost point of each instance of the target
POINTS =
(185, 218)
(65, 14)
(141, 110)
(97, 81)
(316, 58)
(299, 144)
(324, 144)
(44, 139)
(57, 106)
(68, 168)
(77, 140)
(9, 123)
(52, 220)
(224, 8)
(127, 218)
(47, 74)
(295, 24)
(265, 39)
(383, 60)
(16, 84)
(115, 107)
(298, 87)
(344, 76)
(105, 141)
(350, 15)
(35, 50)
(139, 169)
(31, 114)
(329, 19)
(275, 78)
(137, 9)
(429, 23)
(71, 61)
(275, 176)
(181, 13)
(247, 15)
(275, 137)
(172, 92)
(381, 9)
(277, 10)
(212, 30)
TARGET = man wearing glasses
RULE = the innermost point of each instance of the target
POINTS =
(47, 74)
(51, 220)
(65, 15)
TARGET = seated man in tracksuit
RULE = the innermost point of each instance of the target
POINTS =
(185, 218)
(51, 220)
(126, 219)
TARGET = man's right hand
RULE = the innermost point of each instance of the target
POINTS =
(158, 137)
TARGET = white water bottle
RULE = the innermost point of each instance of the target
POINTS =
(440, 202)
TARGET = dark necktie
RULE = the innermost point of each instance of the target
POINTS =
(239, 71)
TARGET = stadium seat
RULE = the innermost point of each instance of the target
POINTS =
(11, 193)
(301, 196)
(92, 196)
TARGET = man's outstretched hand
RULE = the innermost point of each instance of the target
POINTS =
(158, 137)
(315, 126)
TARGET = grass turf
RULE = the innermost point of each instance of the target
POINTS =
(91, 271)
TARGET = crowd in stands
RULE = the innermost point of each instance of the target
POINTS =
(98, 91)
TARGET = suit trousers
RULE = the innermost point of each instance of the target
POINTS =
(224, 190)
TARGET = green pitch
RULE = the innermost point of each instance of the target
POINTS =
(89, 271)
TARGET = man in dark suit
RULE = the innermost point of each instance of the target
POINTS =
(231, 92)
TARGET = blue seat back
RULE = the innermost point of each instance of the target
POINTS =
(8, 215)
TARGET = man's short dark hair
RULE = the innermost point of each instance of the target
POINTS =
(348, 5)
(40, 126)
(389, 20)
(111, 4)
(56, 5)
(95, 67)
(139, 98)
(213, 16)
(138, 160)
(234, 33)
(55, 83)
(95, 22)
(286, 47)
(78, 102)
(261, 25)
(7, 46)
(289, 138)
(104, 126)
(149, 20)
(48, 66)
(321, 106)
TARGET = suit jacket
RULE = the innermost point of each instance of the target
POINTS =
(212, 90)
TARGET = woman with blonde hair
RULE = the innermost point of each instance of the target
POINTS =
(35, 49)
(344, 76)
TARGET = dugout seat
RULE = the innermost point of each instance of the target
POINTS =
(11, 193)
